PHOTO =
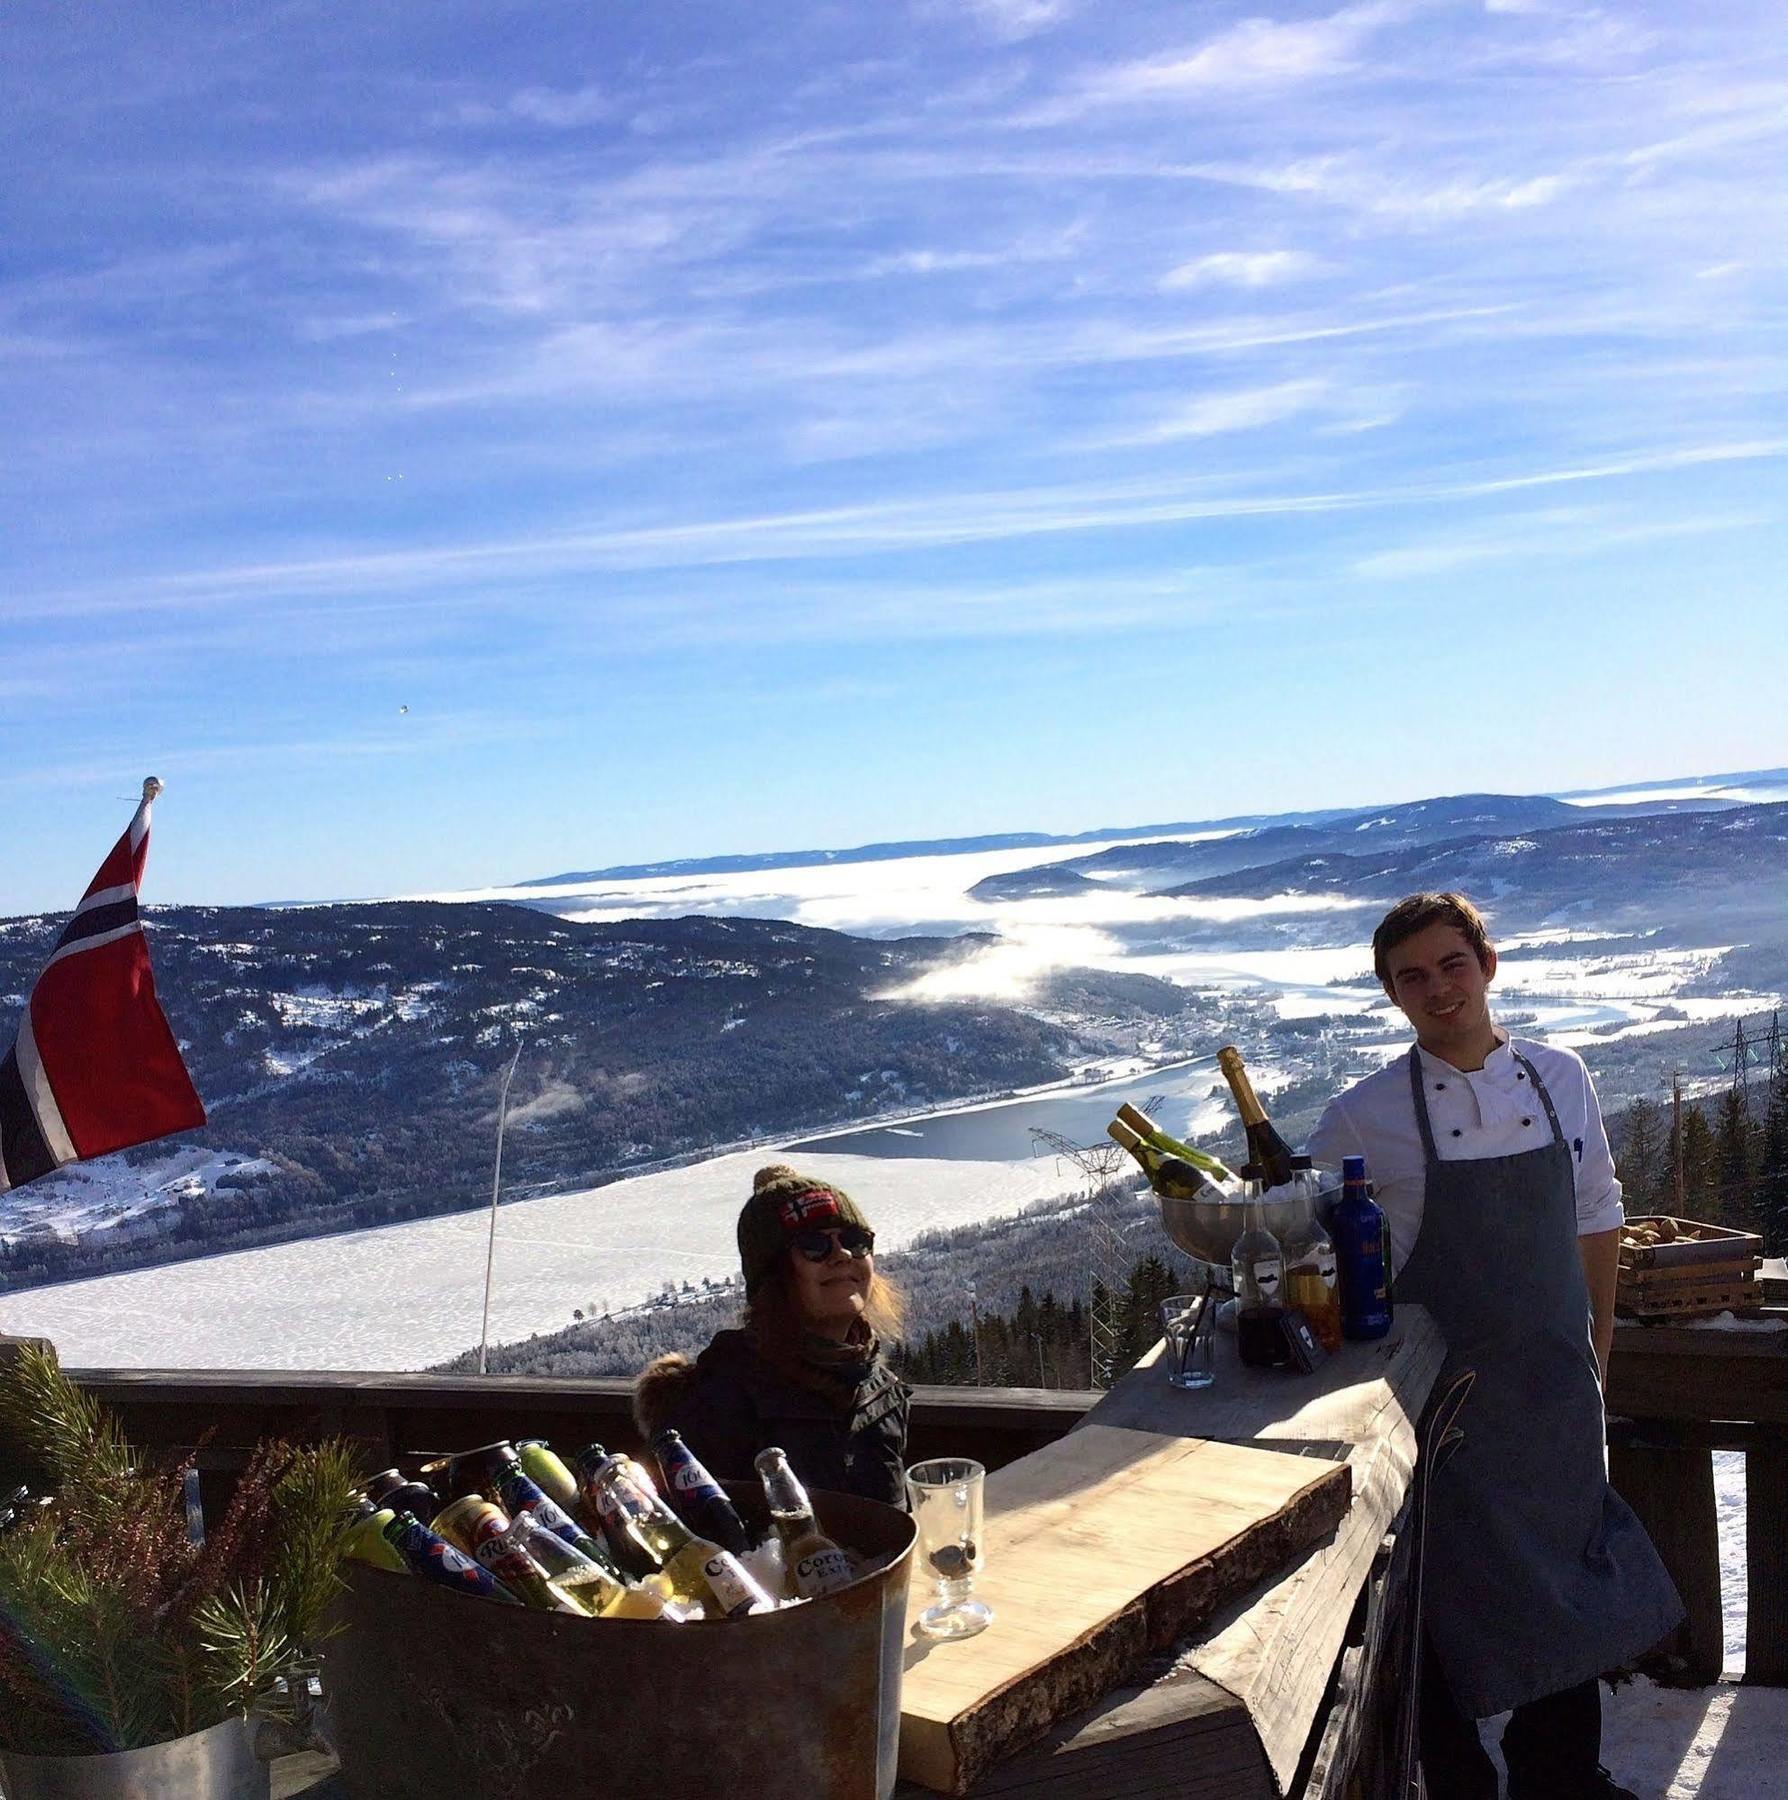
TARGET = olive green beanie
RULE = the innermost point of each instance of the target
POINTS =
(782, 1203)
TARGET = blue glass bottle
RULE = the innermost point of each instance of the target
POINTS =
(1362, 1255)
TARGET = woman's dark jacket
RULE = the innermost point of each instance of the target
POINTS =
(843, 1423)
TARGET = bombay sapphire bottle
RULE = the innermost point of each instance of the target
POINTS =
(1362, 1255)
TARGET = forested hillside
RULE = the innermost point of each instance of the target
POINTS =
(358, 1051)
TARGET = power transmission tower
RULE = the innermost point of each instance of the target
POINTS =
(1741, 1074)
(1676, 1169)
(1100, 1164)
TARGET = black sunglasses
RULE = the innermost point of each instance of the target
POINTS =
(816, 1246)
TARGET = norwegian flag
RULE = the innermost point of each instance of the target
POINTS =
(94, 1066)
(802, 1209)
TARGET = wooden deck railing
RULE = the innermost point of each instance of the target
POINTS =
(1675, 1396)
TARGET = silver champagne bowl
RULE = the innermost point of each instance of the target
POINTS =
(1207, 1225)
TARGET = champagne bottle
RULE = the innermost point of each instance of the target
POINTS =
(1146, 1129)
(1169, 1175)
(1265, 1146)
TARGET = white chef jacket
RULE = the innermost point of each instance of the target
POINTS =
(1475, 1113)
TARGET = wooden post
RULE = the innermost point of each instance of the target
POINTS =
(1766, 1566)
(1671, 1488)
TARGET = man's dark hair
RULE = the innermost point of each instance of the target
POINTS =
(1416, 913)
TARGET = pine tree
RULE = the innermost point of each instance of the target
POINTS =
(1733, 1163)
(1644, 1161)
(1700, 1168)
(1772, 1168)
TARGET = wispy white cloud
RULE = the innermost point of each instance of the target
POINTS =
(1240, 268)
(1238, 409)
(1005, 21)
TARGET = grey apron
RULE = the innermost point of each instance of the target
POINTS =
(1537, 1575)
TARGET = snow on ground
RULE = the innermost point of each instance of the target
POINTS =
(409, 1295)
(1719, 1743)
(109, 1193)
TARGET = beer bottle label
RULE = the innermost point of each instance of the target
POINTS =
(732, 1586)
(1267, 1272)
(692, 1478)
(1325, 1265)
(822, 1572)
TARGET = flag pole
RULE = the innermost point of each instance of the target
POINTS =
(496, 1183)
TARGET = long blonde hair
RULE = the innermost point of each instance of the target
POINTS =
(774, 1319)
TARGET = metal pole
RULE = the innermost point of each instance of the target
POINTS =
(496, 1184)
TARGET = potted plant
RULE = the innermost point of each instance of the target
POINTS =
(135, 1643)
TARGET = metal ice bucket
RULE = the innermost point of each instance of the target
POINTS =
(218, 1764)
(1207, 1226)
(438, 1694)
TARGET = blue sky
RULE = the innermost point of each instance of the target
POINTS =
(744, 427)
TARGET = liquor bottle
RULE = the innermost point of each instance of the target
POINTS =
(471, 1524)
(1265, 1145)
(1169, 1175)
(1362, 1255)
(697, 1571)
(431, 1556)
(1258, 1264)
(1146, 1128)
(1310, 1272)
(520, 1493)
(696, 1496)
(815, 1564)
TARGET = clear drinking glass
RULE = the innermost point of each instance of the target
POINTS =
(1186, 1324)
(946, 1493)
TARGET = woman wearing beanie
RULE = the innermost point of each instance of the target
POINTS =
(805, 1369)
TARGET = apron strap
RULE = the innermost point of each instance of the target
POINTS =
(1539, 1087)
(1421, 1105)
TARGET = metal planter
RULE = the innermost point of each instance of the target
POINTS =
(216, 1764)
(435, 1693)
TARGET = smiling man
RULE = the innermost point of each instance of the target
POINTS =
(1492, 1166)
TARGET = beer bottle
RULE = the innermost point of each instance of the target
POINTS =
(390, 1487)
(697, 1571)
(547, 1471)
(696, 1496)
(591, 1584)
(1265, 1145)
(625, 1552)
(484, 1533)
(365, 1540)
(814, 1563)
(434, 1559)
(1362, 1255)
(520, 1494)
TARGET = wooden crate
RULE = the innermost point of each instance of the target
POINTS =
(1688, 1292)
(1695, 1243)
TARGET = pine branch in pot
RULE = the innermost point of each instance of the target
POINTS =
(132, 1653)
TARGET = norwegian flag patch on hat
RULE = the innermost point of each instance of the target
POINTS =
(801, 1210)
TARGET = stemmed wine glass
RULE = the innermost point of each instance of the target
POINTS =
(946, 1493)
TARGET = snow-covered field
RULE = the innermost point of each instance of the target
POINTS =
(410, 1295)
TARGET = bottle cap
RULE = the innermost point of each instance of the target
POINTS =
(1353, 1168)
